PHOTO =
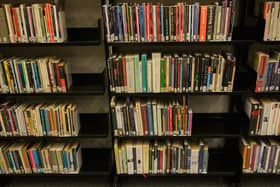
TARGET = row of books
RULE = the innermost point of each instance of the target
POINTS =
(264, 115)
(172, 73)
(267, 67)
(260, 156)
(39, 120)
(151, 117)
(23, 158)
(144, 157)
(148, 22)
(42, 23)
(271, 15)
(34, 75)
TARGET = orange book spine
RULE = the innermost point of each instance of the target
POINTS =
(47, 22)
(51, 119)
(203, 23)
(265, 7)
(55, 123)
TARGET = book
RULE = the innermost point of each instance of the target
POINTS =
(174, 73)
(157, 22)
(160, 157)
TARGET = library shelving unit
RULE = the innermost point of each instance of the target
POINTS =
(223, 162)
(95, 133)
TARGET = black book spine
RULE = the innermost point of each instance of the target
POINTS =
(173, 24)
(166, 23)
(115, 71)
(134, 159)
(205, 74)
(185, 73)
(209, 29)
(225, 75)
(124, 112)
(202, 74)
(121, 73)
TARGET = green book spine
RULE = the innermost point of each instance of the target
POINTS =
(162, 70)
(137, 73)
(128, 16)
(24, 72)
(42, 116)
(144, 73)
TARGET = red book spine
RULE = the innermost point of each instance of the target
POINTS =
(228, 23)
(203, 23)
(32, 161)
(12, 121)
(253, 158)
(145, 18)
(185, 120)
(190, 123)
(51, 23)
(183, 22)
(47, 22)
(151, 23)
(170, 121)
(248, 157)
(16, 23)
(158, 23)
(168, 159)
(176, 23)
(180, 21)
(261, 73)
(124, 72)
(144, 118)
(13, 31)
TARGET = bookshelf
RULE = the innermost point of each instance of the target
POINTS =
(95, 134)
(230, 127)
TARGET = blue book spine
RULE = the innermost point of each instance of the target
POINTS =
(144, 73)
(69, 160)
(119, 23)
(10, 156)
(36, 160)
(170, 72)
(200, 159)
(143, 20)
(65, 165)
(269, 76)
(195, 22)
(150, 119)
(187, 76)
(208, 80)
(185, 22)
(278, 77)
(161, 22)
(37, 75)
(43, 121)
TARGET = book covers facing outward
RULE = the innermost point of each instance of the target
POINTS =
(260, 156)
(264, 115)
(151, 117)
(271, 15)
(41, 23)
(176, 157)
(148, 22)
(23, 158)
(198, 72)
(34, 75)
(267, 67)
(39, 120)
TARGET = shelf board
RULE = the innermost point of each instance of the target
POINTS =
(263, 94)
(67, 43)
(97, 89)
(264, 136)
(261, 174)
(180, 175)
(174, 43)
(172, 94)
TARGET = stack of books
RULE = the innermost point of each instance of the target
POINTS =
(264, 115)
(260, 156)
(39, 120)
(23, 158)
(181, 22)
(267, 67)
(34, 75)
(176, 157)
(42, 23)
(272, 21)
(172, 73)
(151, 117)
